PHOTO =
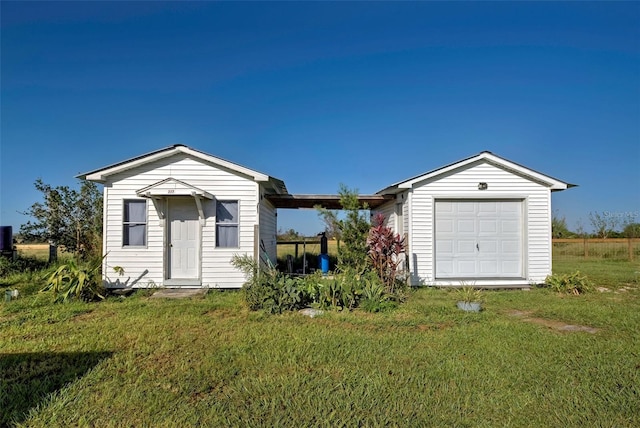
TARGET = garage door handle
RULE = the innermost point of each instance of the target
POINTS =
(477, 247)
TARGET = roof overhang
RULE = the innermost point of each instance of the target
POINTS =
(101, 175)
(331, 202)
(552, 183)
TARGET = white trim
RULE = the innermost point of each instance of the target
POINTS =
(102, 174)
(488, 157)
(172, 187)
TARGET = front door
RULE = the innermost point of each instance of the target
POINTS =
(183, 239)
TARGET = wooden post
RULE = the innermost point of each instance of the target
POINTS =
(586, 249)
(296, 251)
(256, 243)
(304, 257)
(53, 253)
(630, 245)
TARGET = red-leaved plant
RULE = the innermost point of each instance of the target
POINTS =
(384, 249)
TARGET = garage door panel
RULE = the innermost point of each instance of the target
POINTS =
(488, 267)
(445, 226)
(465, 248)
(466, 226)
(488, 226)
(445, 246)
(511, 267)
(487, 247)
(476, 239)
(466, 267)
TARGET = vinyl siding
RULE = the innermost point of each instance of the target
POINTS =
(463, 184)
(143, 266)
(268, 229)
(388, 211)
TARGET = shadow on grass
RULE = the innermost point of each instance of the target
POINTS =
(28, 378)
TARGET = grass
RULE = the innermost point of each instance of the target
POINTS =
(209, 361)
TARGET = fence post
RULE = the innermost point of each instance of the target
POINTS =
(630, 245)
(586, 249)
(53, 253)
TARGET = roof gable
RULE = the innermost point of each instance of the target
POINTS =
(483, 157)
(172, 187)
(102, 174)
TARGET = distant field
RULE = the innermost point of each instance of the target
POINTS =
(39, 251)
(311, 248)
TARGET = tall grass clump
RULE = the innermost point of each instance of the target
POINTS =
(571, 283)
(73, 280)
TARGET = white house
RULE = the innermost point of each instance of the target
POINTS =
(176, 217)
(483, 220)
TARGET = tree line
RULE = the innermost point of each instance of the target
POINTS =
(603, 224)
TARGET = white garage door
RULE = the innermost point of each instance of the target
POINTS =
(479, 239)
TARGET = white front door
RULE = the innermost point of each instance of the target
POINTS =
(479, 239)
(183, 238)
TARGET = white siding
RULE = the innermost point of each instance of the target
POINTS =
(388, 211)
(268, 229)
(463, 184)
(144, 266)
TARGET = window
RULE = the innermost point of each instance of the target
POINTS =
(227, 224)
(134, 223)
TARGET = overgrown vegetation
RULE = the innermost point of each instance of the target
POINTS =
(76, 281)
(367, 274)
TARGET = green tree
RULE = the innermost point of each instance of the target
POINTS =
(354, 229)
(559, 227)
(68, 218)
(631, 230)
(289, 235)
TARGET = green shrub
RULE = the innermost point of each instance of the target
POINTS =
(267, 289)
(374, 296)
(10, 266)
(72, 281)
(572, 283)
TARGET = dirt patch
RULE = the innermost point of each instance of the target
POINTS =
(553, 324)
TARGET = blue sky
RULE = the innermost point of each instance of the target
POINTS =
(318, 94)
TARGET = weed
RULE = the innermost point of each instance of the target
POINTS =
(573, 283)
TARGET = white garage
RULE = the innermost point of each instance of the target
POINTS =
(483, 220)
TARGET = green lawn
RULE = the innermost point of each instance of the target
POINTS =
(210, 362)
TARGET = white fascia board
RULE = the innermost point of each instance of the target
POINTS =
(549, 182)
(101, 175)
(257, 176)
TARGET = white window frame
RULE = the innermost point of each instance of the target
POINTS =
(125, 203)
(235, 224)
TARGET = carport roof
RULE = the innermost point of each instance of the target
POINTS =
(331, 202)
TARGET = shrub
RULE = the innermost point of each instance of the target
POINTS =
(72, 281)
(385, 249)
(20, 265)
(267, 289)
(573, 283)
(374, 296)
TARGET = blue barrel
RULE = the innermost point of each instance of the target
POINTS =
(324, 263)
